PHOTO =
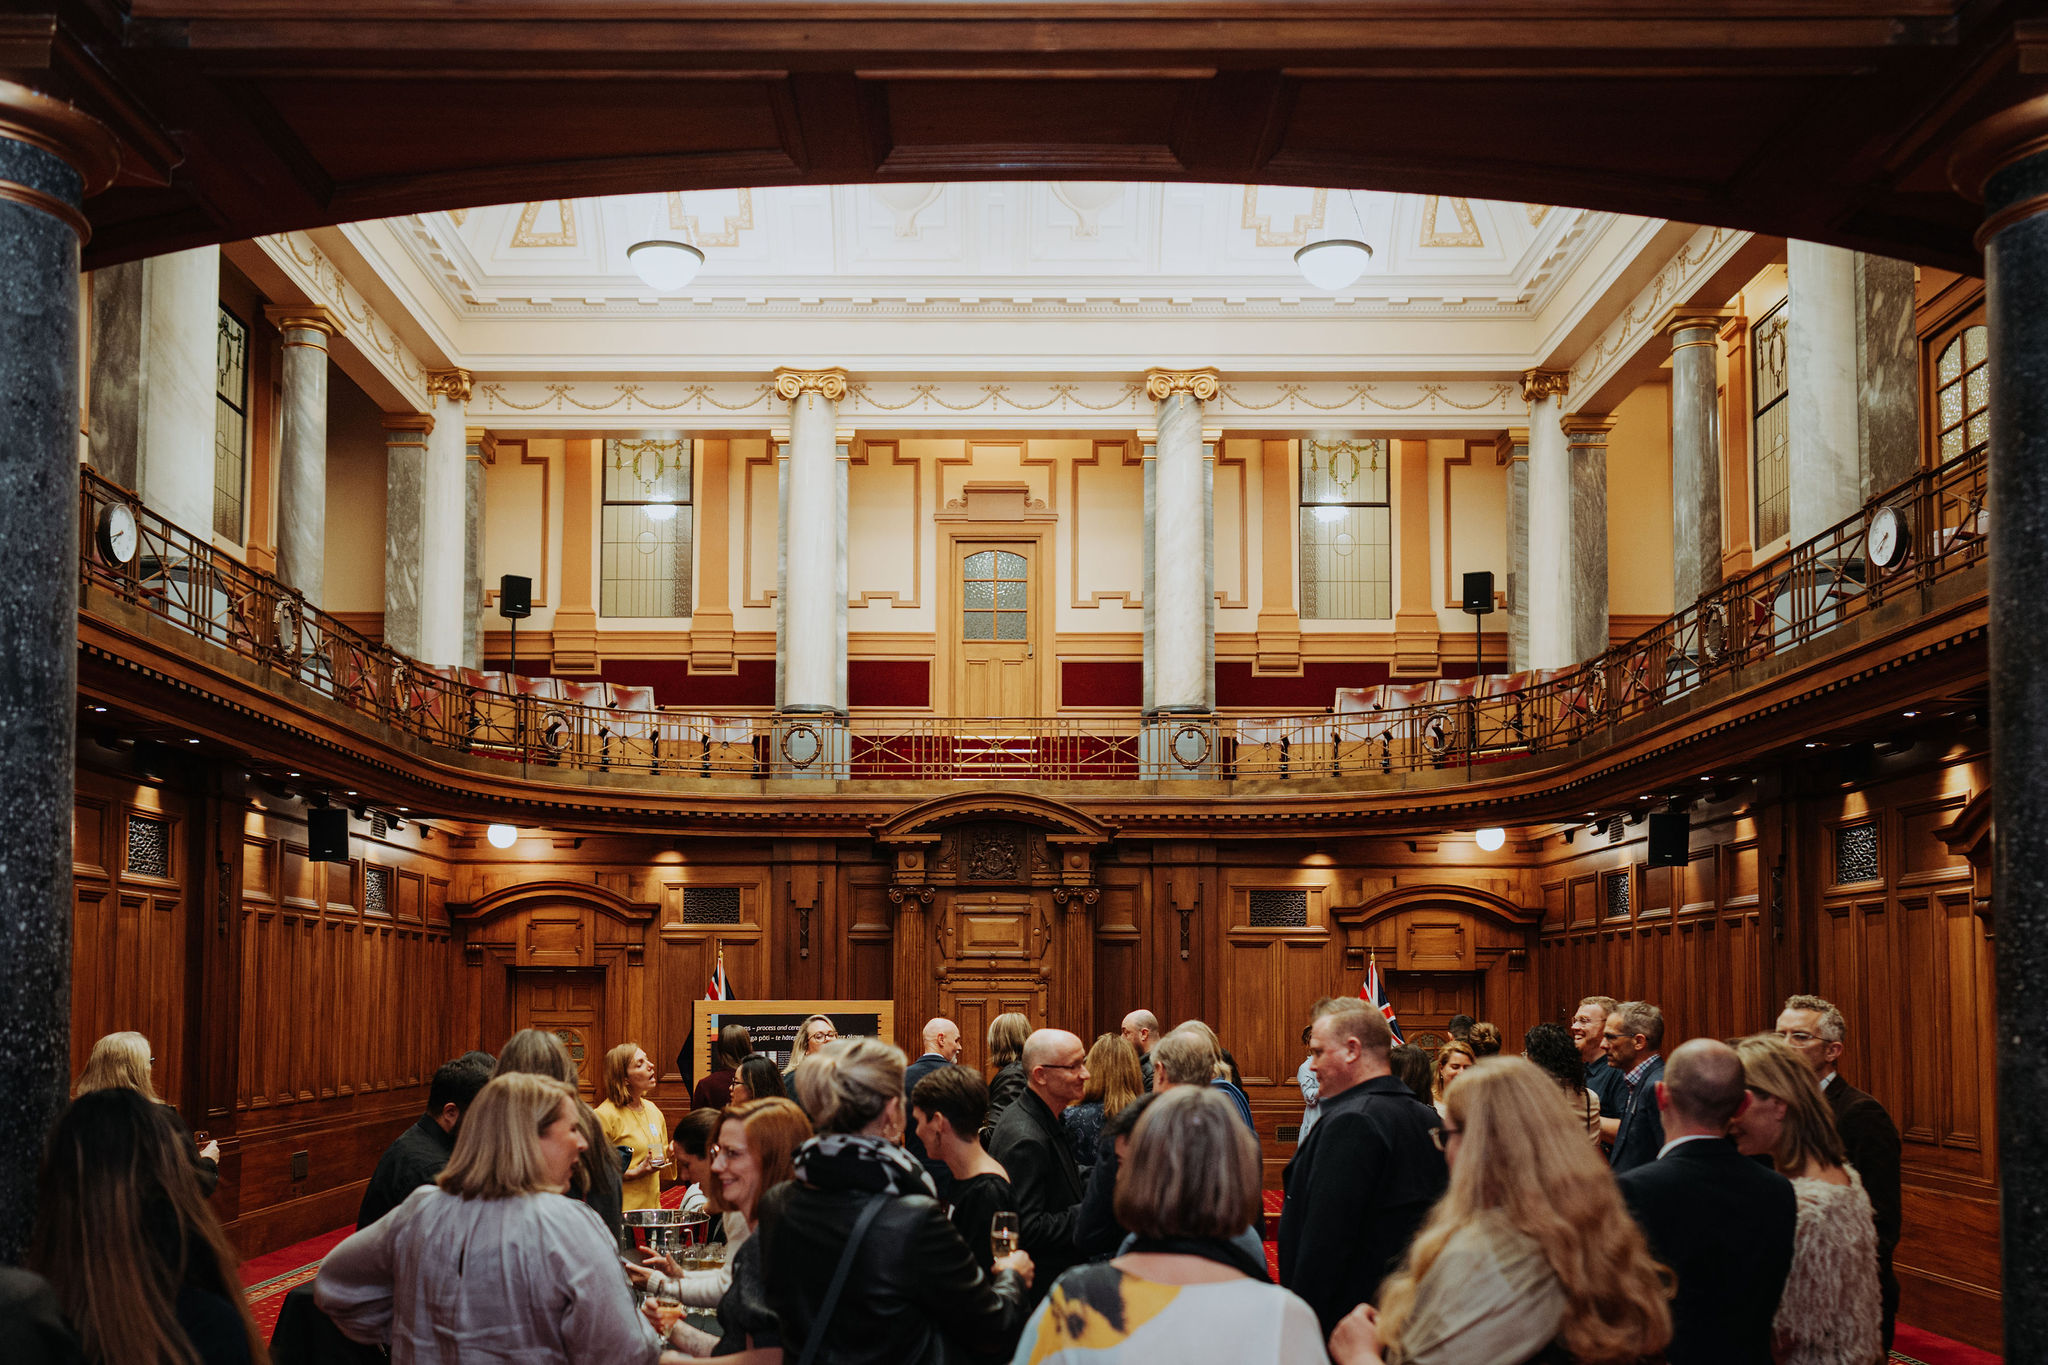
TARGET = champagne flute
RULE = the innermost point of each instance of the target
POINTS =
(1002, 1233)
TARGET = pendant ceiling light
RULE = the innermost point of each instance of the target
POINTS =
(664, 265)
(1336, 262)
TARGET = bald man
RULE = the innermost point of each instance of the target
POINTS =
(1031, 1143)
(942, 1046)
(1141, 1031)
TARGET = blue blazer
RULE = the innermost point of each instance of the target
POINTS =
(1641, 1135)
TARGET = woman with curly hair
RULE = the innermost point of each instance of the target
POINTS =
(1529, 1253)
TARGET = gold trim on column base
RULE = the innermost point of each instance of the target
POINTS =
(30, 197)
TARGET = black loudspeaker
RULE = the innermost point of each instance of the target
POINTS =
(327, 835)
(1670, 839)
(515, 597)
(1478, 593)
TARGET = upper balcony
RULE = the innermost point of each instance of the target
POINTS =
(1884, 607)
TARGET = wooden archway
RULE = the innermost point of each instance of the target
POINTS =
(1450, 937)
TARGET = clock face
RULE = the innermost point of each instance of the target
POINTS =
(119, 537)
(1887, 540)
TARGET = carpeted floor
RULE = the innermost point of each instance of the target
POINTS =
(269, 1278)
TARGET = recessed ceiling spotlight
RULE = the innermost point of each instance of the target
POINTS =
(1812, 744)
(291, 774)
(406, 809)
(1909, 714)
(191, 741)
(99, 708)
(351, 793)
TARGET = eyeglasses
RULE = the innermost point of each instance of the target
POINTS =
(1798, 1039)
(1442, 1136)
(1614, 1037)
(1065, 1066)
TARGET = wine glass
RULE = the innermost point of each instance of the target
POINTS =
(1002, 1232)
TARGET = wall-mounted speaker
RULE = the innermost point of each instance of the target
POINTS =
(327, 835)
(1478, 593)
(1670, 839)
(515, 597)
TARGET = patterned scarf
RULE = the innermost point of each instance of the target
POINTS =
(851, 1161)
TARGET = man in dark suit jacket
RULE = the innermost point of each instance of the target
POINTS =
(941, 1048)
(1363, 1179)
(1032, 1144)
(1634, 1033)
(419, 1153)
(1870, 1139)
(1722, 1222)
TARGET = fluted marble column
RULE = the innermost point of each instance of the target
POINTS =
(481, 449)
(1823, 464)
(1511, 448)
(405, 476)
(302, 455)
(51, 157)
(1180, 571)
(1695, 453)
(2005, 163)
(1549, 596)
(810, 610)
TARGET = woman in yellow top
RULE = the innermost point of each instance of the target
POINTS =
(631, 1120)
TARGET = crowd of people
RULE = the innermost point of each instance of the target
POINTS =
(1590, 1201)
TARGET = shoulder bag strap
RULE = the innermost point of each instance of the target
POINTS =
(861, 1224)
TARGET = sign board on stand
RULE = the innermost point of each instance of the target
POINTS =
(773, 1024)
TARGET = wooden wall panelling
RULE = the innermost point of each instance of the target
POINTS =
(1124, 950)
(686, 954)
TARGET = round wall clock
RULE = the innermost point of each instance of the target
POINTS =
(1886, 538)
(117, 535)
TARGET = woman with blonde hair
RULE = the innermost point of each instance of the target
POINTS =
(489, 1257)
(125, 1061)
(1453, 1059)
(1830, 1311)
(1114, 1080)
(1529, 1246)
(537, 1052)
(1006, 1035)
(632, 1122)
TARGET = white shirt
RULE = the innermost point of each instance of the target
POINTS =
(1681, 1141)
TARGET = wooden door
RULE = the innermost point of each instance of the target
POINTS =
(995, 675)
(569, 1005)
(1426, 1002)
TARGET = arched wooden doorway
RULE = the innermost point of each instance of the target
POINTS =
(1446, 950)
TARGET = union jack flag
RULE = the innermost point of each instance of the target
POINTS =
(719, 988)
(1374, 993)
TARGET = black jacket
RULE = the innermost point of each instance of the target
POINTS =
(1048, 1185)
(1724, 1225)
(1357, 1189)
(1871, 1141)
(1003, 1089)
(912, 1074)
(411, 1161)
(916, 1295)
(1641, 1135)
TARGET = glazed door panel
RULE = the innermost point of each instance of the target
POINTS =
(997, 676)
(569, 1005)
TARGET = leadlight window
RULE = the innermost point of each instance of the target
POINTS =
(994, 596)
(230, 423)
(1347, 529)
(647, 528)
(1962, 394)
(1769, 388)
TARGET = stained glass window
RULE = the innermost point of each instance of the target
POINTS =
(1773, 425)
(994, 596)
(1347, 529)
(230, 423)
(647, 528)
(1962, 394)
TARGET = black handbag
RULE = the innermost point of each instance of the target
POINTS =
(816, 1341)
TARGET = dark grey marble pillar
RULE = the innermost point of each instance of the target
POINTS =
(1888, 373)
(1695, 455)
(480, 451)
(40, 231)
(1586, 443)
(2015, 240)
(1511, 448)
(302, 455)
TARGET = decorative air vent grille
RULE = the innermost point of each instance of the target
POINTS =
(149, 846)
(1616, 887)
(1856, 854)
(711, 905)
(1278, 908)
(377, 891)
(1288, 1132)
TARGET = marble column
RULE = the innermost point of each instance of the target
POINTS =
(1511, 448)
(405, 476)
(1549, 596)
(1824, 470)
(1180, 570)
(156, 325)
(481, 450)
(1887, 374)
(51, 157)
(444, 520)
(302, 455)
(2005, 160)
(1695, 452)
(1586, 448)
(810, 609)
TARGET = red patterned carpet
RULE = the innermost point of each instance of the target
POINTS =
(269, 1278)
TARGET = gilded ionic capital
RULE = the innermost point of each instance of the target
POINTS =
(791, 385)
(308, 317)
(1539, 384)
(1201, 385)
(450, 383)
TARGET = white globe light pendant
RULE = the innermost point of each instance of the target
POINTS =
(502, 836)
(1490, 839)
(1334, 263)
(664, 265)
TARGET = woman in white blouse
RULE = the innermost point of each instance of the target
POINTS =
(491, 1262)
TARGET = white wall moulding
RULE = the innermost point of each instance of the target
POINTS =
(986, 403)
(290, 269)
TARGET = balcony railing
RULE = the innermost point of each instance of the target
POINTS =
(1796, 598)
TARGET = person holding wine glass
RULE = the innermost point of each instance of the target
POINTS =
(950, 1104)
(633, 1124)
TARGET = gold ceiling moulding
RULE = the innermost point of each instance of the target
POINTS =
(526, 232)
(793, 384)
(1467, 231)
(1202, 385)
(450, 383)
(1541, 384)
